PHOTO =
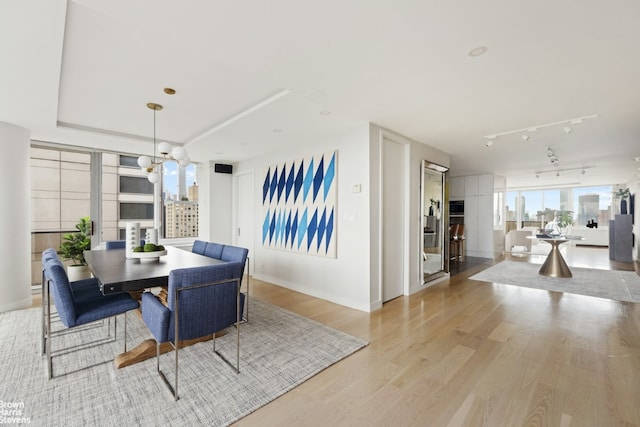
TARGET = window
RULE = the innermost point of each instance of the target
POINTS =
(62, 193)
(592, 204)
(136, 211)
(535, 208)
(135, 184)
(179, 200)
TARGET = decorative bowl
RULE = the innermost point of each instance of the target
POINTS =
(148, 256)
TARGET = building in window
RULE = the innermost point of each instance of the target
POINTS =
(181, 218)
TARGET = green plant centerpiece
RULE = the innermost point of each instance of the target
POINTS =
(564, 219)
(149, 252)
(74, 244)
(149, 247)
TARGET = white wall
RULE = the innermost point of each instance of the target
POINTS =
(345, 279)
(15, 263)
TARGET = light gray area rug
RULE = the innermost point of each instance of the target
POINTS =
(615, 285)
(279, 350)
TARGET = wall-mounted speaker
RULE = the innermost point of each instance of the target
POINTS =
(222, 168)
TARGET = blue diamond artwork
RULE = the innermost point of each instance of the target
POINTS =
(299, 204)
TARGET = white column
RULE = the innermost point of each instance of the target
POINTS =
(15, 216)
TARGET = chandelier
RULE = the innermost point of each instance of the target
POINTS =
(167, 151)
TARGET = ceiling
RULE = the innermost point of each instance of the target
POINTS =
(254, 77)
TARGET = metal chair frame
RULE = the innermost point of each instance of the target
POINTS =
(48, 335)
(176, 343)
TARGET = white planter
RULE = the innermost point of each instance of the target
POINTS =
(78, 272)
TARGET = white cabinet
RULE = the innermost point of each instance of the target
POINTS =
(485, 185)
(471, 231)
(471, 185)
(457, 188)
(485, 224)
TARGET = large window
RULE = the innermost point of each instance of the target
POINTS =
(60, 195)
(111, 189)
(592, 204)
(535, 208)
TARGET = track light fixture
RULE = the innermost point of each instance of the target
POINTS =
(556, 172)
(566, 128)
(552, 157)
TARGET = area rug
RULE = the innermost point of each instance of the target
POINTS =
(279, 350)
(615, 285)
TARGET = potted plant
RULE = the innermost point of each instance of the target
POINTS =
(564, 219)
(73, 247)
(623, 194)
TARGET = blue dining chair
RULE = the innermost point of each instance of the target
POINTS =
(213, 250)
(240, 255)
(76, 310)
(201, 301)
(118, 244)
(199, 246)
(83, 290)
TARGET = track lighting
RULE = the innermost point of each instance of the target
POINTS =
(566, 128)
(556, 172)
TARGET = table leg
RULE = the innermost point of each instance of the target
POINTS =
(555, 265)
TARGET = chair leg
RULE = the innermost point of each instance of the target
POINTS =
(246, 313)
(125, 331)
(173, 391)
(44, 319)
(48, 338)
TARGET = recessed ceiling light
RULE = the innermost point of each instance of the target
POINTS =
(567, 129)
(169, 91)
(525, 137)
(480, 50)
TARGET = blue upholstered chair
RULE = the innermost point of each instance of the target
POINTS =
(201, 301)
(77, 306)
(118, 244)
(239, 255)
(213, 250)
(198, 247)
(82, 289)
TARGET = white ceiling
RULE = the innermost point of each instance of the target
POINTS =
(83, 71)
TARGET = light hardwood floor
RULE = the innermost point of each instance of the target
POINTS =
(467, 353)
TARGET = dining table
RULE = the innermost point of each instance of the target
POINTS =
(116, 273)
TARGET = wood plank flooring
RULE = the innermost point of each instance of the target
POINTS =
(470, 353)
